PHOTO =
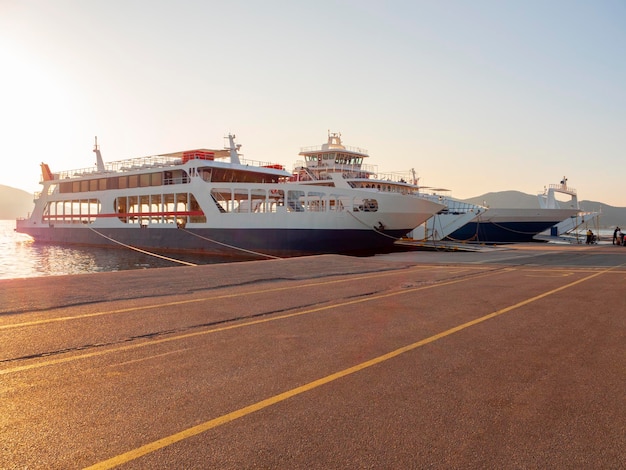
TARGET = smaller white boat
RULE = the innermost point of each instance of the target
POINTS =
(514, 225)
(582, 218)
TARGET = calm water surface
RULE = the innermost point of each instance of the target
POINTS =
(21, 257)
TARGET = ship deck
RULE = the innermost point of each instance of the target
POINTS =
(503, 358)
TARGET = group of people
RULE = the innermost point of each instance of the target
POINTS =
(618, 236)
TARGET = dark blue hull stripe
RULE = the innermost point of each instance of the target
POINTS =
(275, 242)
(506, 232)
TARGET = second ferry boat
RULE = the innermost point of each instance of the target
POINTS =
(215, 202)
(342, 166)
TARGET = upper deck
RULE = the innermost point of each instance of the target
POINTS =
(163, 161)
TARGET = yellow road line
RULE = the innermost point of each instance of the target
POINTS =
(207, 425)
(154, 342)
(203, 299)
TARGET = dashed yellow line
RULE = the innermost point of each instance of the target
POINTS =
(203, 299)
(203, 427)
(153, 342)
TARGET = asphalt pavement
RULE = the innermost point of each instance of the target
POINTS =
(506, 357)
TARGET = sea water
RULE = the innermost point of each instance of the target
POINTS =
(21, 257)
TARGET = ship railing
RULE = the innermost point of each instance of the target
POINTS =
(562, 187)
(371, 172)
(396, 177)
(362, 171)
(304, 174)
(261, 164)
(458, 207)
(336, 167)
(155, 161)
(122, 165)
(319, 148)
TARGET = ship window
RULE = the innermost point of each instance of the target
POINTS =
(132, 209)
(122, 208)
(241, 202)
(178, 177)
(181, 206)
(367, 205)
(294, 201)
(144, 209)
(93, 185)
(222, 198)
(144, 180)
(65, 187)
(205, 174)
(275, 198)
(339, 203)
(156, 208)
(122, 182)
(133, 181)
(259, 201)
(315, 202)
(77, 211)
(157, 179)
(168, 208)
(196, 216)
(102, 184)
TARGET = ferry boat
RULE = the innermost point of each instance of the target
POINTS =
(514, 225)
(214, 202)
(338, 165)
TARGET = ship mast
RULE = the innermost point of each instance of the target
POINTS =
(99, 161)
(234, 150)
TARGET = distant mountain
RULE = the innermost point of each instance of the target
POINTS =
(509, 199)
(610, 216)
(14, 203)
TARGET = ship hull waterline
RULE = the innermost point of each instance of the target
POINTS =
(224, 242)
(505, 225)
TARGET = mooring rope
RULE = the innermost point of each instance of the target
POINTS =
(231, 246)
(511, 230)
(142, 251)
(372, 228)
(449, 237)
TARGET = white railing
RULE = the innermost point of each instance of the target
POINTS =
(140, 163)
(320, 148)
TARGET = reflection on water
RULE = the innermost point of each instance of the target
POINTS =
(21, 257)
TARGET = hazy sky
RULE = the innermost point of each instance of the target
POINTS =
(477, 95)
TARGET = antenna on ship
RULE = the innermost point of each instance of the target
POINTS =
(234, 149)
(99, 161)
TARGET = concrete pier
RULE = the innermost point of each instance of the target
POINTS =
(501, 358)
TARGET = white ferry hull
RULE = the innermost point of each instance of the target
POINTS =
(508, 225)
(278, 234)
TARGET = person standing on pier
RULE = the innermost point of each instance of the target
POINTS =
(617, 230)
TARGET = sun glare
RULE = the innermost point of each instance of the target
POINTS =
(36, 111)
